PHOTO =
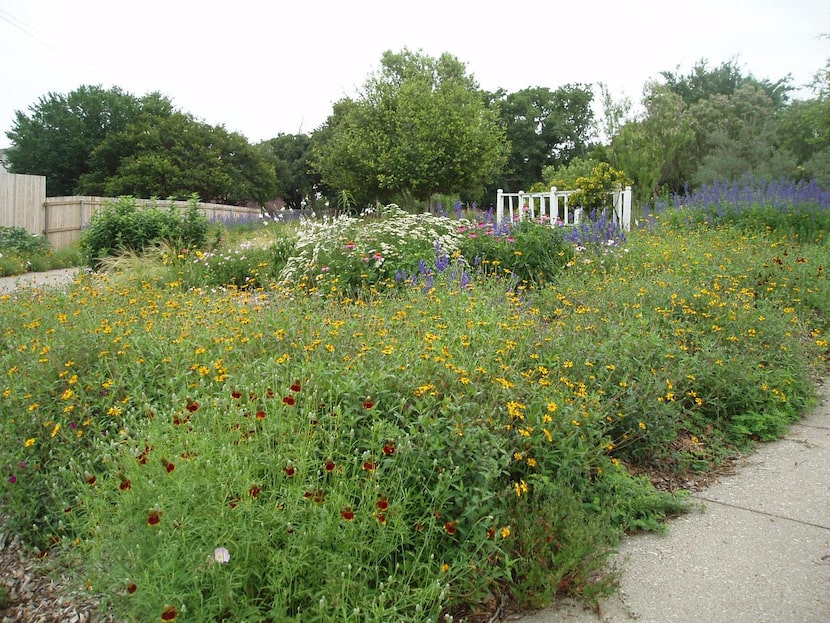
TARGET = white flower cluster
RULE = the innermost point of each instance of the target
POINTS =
(395, 234)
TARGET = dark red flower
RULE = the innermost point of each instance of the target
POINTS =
(370, 466)
(187, 455)
(347, 513)
(131, 588)
(125, 484)
(142, 458)
(234, 502)
(388, 449)
(91, 480)
(168, 465)
(288, 400)
(450, 527)
(269, 393)
(254, 491)
(296, 387)
(236, 394)
(169, 613)
(260, 415)
(381, 518)
(153, 518)
(329, 466)
(368, 404)
(419, 527)
(383, 504)
(491, 533)
(193, 406)
(289, 470)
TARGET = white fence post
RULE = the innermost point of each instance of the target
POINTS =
(626, 215)
(499, 205)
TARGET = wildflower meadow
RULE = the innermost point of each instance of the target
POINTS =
(394, 417)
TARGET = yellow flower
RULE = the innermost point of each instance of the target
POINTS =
(56, 429)
(505, 532)
(29, 442)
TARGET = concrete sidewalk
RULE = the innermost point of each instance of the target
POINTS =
(46, 278)
(758, 552)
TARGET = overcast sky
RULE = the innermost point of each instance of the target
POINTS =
(263, 67)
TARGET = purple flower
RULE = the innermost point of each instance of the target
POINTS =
(12, 479)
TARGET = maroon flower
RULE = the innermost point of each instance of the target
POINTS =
(450, 527)
(193, 406)
(288, 400)
(125, 484)
(153, 518)
(329, 466)
(91, 480)
(260, 415)
(168, 465)
(131, 588)
(254, 491)
(383, 504)
(389, 449)
(169, 613)
(381, 518)
(289, 470)
(370, 466)
(368, 404)
(347, 513)
(236, 394)
(296, 387)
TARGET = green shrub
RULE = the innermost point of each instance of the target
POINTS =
(527, 252)
(121, 226)
(18, 241)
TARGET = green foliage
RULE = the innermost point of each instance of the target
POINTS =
(122, 226)
(266, 454)
(19, 241)
(592, 190)
(529, 253)
(176, 156)
(564, 178)
(544, 128)
(420, 128)
(58, 136)
(288, 154)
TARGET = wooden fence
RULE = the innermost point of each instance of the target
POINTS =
(63, 218)
(21, 201)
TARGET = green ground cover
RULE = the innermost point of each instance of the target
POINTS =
(372, 434)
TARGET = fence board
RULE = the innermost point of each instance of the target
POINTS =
(21, 201)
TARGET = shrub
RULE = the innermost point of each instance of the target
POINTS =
(121, 226)
(18, 241)
(528, 252)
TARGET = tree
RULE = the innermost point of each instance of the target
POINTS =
(60, 132)
(420, 127)
(176, 156)
(288, 155)
(544, 128)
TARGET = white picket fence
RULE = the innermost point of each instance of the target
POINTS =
(553, 207)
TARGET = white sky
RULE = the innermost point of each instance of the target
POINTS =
(263, 67)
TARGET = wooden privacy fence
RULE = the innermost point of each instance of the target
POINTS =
(63, 218)
(554, 207)
(21, 201)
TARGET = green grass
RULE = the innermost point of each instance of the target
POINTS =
(398, 449)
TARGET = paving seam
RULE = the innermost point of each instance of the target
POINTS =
(751, 510)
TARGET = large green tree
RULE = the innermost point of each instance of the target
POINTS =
(710, 124)
(60, 131)
(288, 155)
(175, 156)
(544, 128)
(421, 126)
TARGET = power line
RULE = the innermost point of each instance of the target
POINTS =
(28, 31)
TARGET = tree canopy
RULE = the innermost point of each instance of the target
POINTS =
(545, 128)
(175, 156)
(288, 155)
(420, 127)
(57, 136)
